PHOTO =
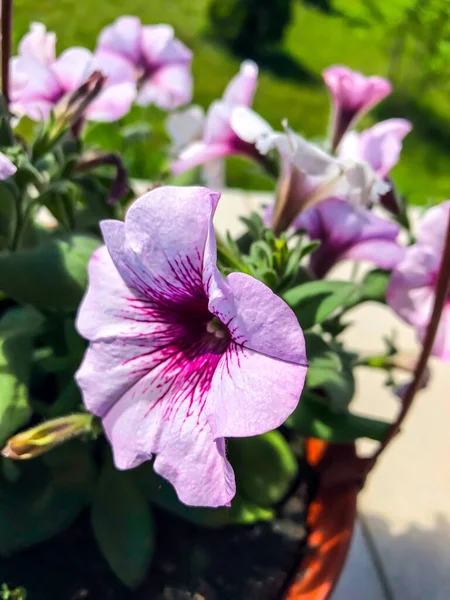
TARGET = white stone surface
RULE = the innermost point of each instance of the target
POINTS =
(360, 579)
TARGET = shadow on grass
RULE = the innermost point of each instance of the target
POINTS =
(280, 64)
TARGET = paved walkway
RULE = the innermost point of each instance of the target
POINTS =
(401, 546)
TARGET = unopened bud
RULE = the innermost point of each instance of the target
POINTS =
(71, 108)
(42, 438)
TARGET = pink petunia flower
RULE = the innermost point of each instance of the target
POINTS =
(39, 81)
(309, 175)
(379, 146)
(7, 169)
(411, 290)
(162, 64)
(179, 357)
(219, 140)
(353, 94)
(346, 232)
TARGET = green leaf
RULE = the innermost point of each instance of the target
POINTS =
(52, 276)
(8, 216)
(314, 301)
(161, 493)
(313, 419)
(47, 495)
(373, 286)
(264, 466)
(136, 132)
(330, 372)
(123, 525)
(17, 328)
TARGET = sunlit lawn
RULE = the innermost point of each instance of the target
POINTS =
(290, 84)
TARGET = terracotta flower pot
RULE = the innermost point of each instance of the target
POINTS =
(331, 519)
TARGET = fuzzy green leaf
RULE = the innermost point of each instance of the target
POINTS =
(314, 301)
(17, 328)
(313, 419)
(52, 276)
(264, 466)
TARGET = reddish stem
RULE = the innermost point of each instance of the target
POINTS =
(442, 288)
(6, 31)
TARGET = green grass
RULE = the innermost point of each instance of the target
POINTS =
(290, 83)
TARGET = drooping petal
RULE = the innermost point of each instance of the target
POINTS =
(241, 89)
(433, 226)
(6, 167)
(113, 103)
(39, 44)
(169, 87)
(123, 37)
(161, 415)
(410, 292)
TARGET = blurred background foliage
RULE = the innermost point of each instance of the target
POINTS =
(292, 41)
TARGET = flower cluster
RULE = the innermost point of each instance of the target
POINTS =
(145, 64)
(194, 340)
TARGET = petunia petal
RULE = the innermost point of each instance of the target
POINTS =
(6, 167)
(379, 146)
(252, 393)
(38, 43)
(441, 346)
(268, 347)
(411, 289)
(241, 89)
(160, 47)
(123, 37)
(199, 153)
(433, 226)
(386, 254)
(164, 257)
(113, 103)
(169, 87)
(72, 67)
(160, 418)
(185, 127)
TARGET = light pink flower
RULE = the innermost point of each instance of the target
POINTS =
(346, 232)
(39, 81)
(309, 175)
(379, 146)
(7, 169)
(162, 64)
(411, 291)
(353, 94)
(185, 127)
(219, 140)
(181, 358)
